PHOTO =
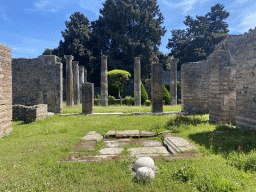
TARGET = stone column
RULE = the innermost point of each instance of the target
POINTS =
(76, 82)
(81, 80)
(69, 80)
(104, 81)
(85, 75)
(173, 81)
(87, 99)
(137, 82)
(157, 87)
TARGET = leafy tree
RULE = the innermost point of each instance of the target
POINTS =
(117, 79)
(199, 39)
(126, 29)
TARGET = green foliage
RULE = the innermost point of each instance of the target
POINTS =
(148, 103)
(97, 102)
(242, 161)
(111, 100)
(166, 96)
(128, 100)
(197, 41)
(144, 94)
(128, 29)
(116, 80)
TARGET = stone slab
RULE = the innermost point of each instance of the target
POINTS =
(108, 113)
(90, 145)
(117, 142)
(111, 151)
(147, 133)
(127, 133)
(111, 133)
(178, 144)
(147, 150)
(96, 136)
(152, 143)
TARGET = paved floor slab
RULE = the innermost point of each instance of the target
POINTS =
(90, 145)
(178, 144)
(147, 133)
(127, 133)
(147, 150)
(96, 136)
(111, 151)
(117, 142)
(152, 143)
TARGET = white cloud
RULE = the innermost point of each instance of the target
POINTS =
(249, 21)
(240, 1)
(49, 5)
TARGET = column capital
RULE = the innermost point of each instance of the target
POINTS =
(75, 62)
(137, 58)
(68, 57)
(104, 56)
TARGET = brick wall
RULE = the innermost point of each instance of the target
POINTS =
(195, 87)
(5, 90)
(157, 87)
(38, 81)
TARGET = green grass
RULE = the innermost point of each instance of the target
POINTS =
(117, 109)
(29, 156)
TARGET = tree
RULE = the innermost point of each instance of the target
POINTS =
(199, 39)
(166, 96)
(117, 78)
(126, 29)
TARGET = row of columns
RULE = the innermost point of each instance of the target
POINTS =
(75, 76)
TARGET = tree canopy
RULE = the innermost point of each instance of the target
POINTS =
(199, 39)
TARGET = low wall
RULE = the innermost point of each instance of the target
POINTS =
(38, 81)
(29, 113)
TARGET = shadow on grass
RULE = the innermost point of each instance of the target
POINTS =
(225, 140)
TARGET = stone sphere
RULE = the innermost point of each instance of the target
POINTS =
(145, 173)
(144, 162)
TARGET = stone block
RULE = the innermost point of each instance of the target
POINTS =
(145, 173)
(127, 133)
(87, 98)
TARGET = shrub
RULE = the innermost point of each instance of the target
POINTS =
(97, 102)
(166, 96)
(147, 102)
(111, 100)
(144, 94)
(128, 100)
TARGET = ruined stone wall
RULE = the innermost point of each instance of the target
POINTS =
(29, 113)
(245, 58)
(38, 81)
(5, 90)
(222, 94)
(195, 87)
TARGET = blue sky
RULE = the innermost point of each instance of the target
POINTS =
(31, 26)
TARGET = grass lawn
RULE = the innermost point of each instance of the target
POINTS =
(29, 156)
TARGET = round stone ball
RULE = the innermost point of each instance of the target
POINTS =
(145, 173)
(144, 162)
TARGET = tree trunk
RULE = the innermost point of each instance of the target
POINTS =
(119, 96)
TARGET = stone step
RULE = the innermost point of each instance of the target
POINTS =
(172, 148)
(178, 144)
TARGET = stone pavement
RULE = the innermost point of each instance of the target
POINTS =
(115, 140)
